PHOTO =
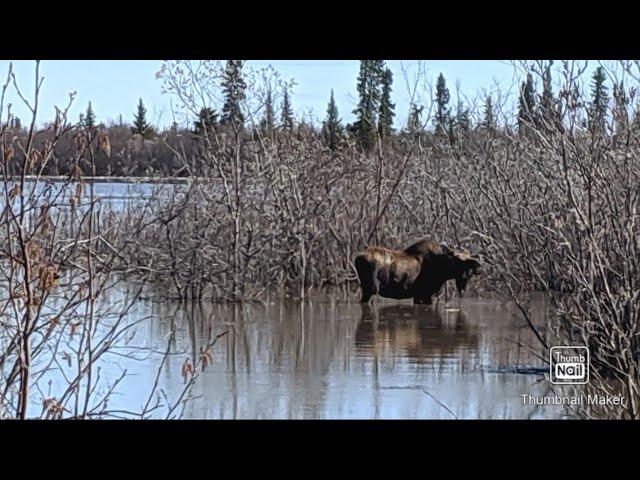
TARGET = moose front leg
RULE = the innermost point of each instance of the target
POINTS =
(426, 293)
(422, 300)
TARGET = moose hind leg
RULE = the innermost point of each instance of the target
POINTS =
(366, 296)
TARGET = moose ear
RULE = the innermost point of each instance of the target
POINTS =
(445, 249)
(462, 254)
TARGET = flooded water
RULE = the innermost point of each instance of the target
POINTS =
(331, 359)
(327, 358)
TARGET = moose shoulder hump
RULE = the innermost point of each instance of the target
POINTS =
(424, 246)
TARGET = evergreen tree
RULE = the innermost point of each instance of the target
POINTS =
(527, 104)
(332, 127)
(443, 117)
(88, 120)
(233, 89)
(207, 120)
(621, 112)
(14, 123)
(369, 93)
(548, 109)
(463, 122)
(140, 124)
(386, 112)
(268, 121)
(286, 116)
(489, 115)
(363, 125)
(599, 102)
(414, 124)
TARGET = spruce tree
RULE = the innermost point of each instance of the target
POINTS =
(414, 124)
(527, 104)
(140, 124)
(233, 89)
(462, 121)
(268, 119)
(489, 115)
(363, 125)
(548, 111)
(286, 116)
(332, 127)
(386, 111)
(443, 117)
(88, 120)
(377, 79)
(369, 93)
(599, 102)
(207, 120)
(620, 112)
(14, 123)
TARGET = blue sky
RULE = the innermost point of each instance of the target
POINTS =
(114, 87)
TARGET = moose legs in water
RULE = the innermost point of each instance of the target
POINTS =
(422, 300)
(425, 297)
(381, 278)
(368, 277)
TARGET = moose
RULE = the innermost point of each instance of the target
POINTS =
(418, 272)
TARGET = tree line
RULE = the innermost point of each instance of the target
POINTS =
(140, 149)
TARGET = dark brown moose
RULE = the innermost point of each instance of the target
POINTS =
(418, 272)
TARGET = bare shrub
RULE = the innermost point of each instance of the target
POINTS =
(61, 306)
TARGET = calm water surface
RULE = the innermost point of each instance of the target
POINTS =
(115, 194)
(330, 359)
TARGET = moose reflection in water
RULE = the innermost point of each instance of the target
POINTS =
(417, 332)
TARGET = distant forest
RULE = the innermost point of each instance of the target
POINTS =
(137, 149)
